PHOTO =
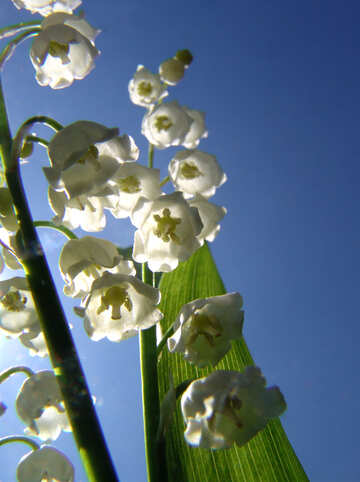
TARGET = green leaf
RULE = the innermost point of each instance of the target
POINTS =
(269, 455)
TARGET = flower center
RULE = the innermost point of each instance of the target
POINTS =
(91, 156)
(113, 299)
(190, 171)
(14, 301)
(163, 123)
(166, 226)
(144, 88)
(130, 184)
(59, 50)
(202, 324)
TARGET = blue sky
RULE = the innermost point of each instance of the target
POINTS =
(279, 83)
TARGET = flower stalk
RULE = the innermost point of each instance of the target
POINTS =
(66, 364)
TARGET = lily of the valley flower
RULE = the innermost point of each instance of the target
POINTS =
(129, 183)
(205, 327)
(229, 407)
(17, 309)
(167, 231)
(86, 212)
(197, 129)
(84, 155)
(145, 88)
(84, 260)
(196, 172)
(210, 215)
(34, 340)
(8, 217)
(63, 50)
(166, 125)
(39, 404)
(45, 464)
(46, 7)
(118, 306)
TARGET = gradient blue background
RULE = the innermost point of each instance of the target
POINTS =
(279, 82)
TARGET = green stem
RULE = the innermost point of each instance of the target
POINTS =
(12, 30)
(62, 229)
(38, 140)
(19, 438)
(78, 402)
(8, 50)
(151, 155)
(163, 340)
(11, 371)
(164, 181)
(155, 453)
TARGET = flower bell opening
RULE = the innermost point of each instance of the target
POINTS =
(166, 226)
(190, 171)
(163, 123)
(14, 301)
(205, 325)
(113, 299)
(130, 184)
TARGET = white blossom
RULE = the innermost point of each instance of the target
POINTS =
(166, 125)
(196, 172)
(86, 212)
(205, 327)
(39, 404)
(9, 256)
(210, 215)
(46, 7)
(129, 183)
(46, 463)
(167, 230)
(229, 407)
(84, 156)
(197, 129)
(34, 340)
(84, 260)
(118, 306)
(145, 88)
(172, 71)
(17, 309)
(63, 50)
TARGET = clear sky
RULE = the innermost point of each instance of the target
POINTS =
(279, 82)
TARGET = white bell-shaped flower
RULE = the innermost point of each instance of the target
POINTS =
(167, 231)
(166, 125)
(229, 407)
(86, 212)
(118, 306)
(17, 309)
(146, 88)
(129, 183)
(45, 464)
(210, 215)
(84, 260)
(63, 50)
(39, 404)
(46, 7)
(84, 156)
(197, 129)
(196, 172)
(34, 340)
(205, 327)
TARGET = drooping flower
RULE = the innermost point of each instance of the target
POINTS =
(129, 183)
(118, 306)
(63, 50)
(39, 404)
(197, 129)
(17, 309)
(196, 172)
(34, 340)
(84, 260)
(229, 407)
(8, 217)
(205, 327)
(46, 463)
(145, 88)
(166, 125)
(167, 231)
(9, 249)
(210, 215)
(84, 155)
(46, 7)
(86, 212)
